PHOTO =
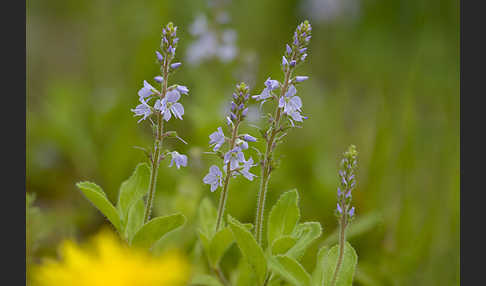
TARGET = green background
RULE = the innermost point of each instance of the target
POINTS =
(384, 76)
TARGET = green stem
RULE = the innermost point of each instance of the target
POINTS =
(158, 148)
(266, 166)
(224, 193)
(220, 275)
(342, 240)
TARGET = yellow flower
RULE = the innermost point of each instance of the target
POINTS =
(110, 262)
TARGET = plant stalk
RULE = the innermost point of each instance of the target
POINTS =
(342, 240)
(266, 166)
(224, 192)
(158, 148)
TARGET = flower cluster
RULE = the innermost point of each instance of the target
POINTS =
(295, 53)
(164, 102)
(234, 159)
(347, 182)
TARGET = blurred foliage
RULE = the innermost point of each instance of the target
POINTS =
(383, 76)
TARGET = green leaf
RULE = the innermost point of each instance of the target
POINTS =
(317, 275)
(246, 275)
(131, 191)
(307, 233)
(283, 244)
(221, 241)
(205, 280)
(98, 198)
(205, 241)
(135, 219)
(348, 265)
(284, 216)
(156, 228)
(207, 217)
(250, 249)
(290, 270)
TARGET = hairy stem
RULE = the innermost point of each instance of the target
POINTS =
(224, 192)
(342, 240)
(220, 275)
(266, 166)
(158, 148)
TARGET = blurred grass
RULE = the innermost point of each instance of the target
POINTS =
(386, 81)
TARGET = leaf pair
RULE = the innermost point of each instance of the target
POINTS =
(326, 266)
(128, 215)
(215, 244)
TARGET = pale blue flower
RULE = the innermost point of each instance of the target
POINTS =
(234, 157)
(159, 79)
(147, 90)
(142, 109)
(284, 61)
(169, 104)
(217, 138)
(160, 58)
(214, 178)
(246, 169)
(182, 89)
(270, 85)
(339, 209)
(178, 159)
(291, 104)
(241, 144)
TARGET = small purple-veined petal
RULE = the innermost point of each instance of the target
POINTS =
(272, 84)
(178, 159)
(246, 169)
(281, 102)
(182, 89)
(146, 91)
(294, 103)
(173, 95)
(142, 109)
(217, 138)
(178, 110)
(213, 178)
(292, 63)
(244, 112)
(291, 91)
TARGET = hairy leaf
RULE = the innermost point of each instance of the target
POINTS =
(348, 265)
(284, 216)
(250, 249)
(98, 198)
(290, 270)
(156, 228)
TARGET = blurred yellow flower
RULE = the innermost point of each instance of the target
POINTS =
(110, 262)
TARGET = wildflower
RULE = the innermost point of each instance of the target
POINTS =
(178, 159)
(159, 79)
(246, 169)
(182, 89)
(169, 104)
(241, 144)
(291, 104)
(110, 262)
(234, 157)
(213, 178)
(270, 85)
(147, 90)
(142, 109)
(217, 138)
(160, 58)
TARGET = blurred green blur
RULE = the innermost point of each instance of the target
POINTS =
(384, 75)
